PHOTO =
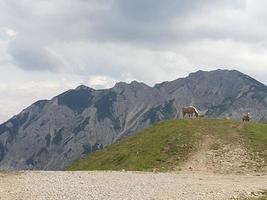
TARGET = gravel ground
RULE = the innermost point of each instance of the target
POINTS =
(46, 185)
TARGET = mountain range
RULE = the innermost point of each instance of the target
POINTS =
(51, 134)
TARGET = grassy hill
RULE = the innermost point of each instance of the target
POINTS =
(167, 145)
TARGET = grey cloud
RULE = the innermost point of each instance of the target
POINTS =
(152, 11)
(117, 20)
(148, 21)
(140, 23)
(160, 11)
(32, 56)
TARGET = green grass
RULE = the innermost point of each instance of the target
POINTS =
(257, 137)
(263, 196)
(166, 144)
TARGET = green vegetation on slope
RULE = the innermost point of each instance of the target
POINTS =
(166, 144)
(257, 138)
(263, 196)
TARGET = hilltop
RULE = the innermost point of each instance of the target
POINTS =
(209, 145)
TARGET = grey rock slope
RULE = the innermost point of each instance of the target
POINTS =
(50, 134)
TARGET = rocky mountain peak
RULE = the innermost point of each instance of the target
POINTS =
(214, 73)
(121, 85)
(134, 85)
(83, 87)
(50, 134)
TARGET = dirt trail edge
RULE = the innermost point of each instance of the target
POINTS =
(215, 156)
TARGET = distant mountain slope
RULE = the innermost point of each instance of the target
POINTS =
(208, 145)
(52, 134)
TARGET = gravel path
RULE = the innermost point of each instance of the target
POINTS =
(126, 185)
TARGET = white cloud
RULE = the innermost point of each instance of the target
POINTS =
(19, 89)
(122, 62)
(100, 82)
(11, 33)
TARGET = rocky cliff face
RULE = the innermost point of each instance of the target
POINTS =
(51, 134)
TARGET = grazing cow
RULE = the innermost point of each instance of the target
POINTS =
(190, 110)
(246, 117)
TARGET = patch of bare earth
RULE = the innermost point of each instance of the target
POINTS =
(215, 156)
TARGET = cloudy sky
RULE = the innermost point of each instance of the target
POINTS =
(49, 46)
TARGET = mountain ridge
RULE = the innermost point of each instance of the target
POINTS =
(50, 134)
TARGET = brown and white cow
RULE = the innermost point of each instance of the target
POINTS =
(190, 111)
